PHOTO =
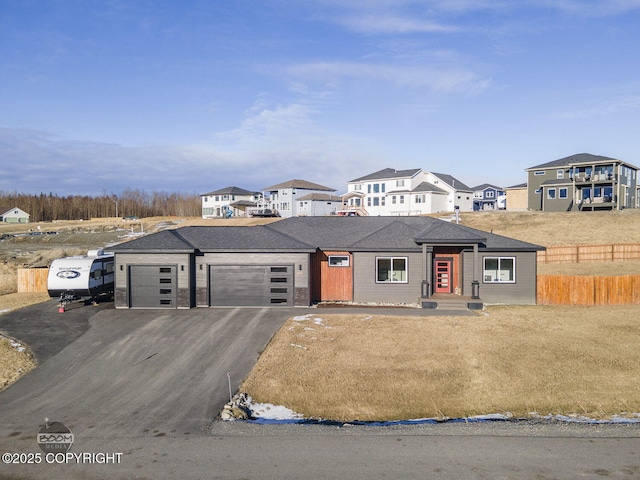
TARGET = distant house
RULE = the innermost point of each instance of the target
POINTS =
(488, 197)
(284, 198)
(583, 182)
(318, 204)
(13, 215)
(405, 192)
(415, 260)
(516, 197)
(229, 202)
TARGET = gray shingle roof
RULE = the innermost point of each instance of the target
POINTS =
(386, 173)
(231, 191)
(306, 234)
(484, 186)
(451, 181)
(320, 197)
(427, 187)
(578, 158)
(300, 184)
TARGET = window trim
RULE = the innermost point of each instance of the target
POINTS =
(391, 280)
(497, 280)
(345, 262)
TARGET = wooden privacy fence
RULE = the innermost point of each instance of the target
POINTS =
(32, 280)
(590, 253)
(588, 290)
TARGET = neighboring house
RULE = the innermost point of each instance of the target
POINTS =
(488, 197)
(583, 182)
(229, 202)
(13, 215)
(389, 192)
(412, 260)
(517, 197)
(318, 204)
(284, 197)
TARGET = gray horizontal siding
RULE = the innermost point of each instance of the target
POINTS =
(182, 261)
(300, 261)
(366, 290)
(522, 292)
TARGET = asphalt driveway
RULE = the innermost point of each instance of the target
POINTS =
(133, 372)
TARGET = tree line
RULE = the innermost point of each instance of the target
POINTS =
(131, 202)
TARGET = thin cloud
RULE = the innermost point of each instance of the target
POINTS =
(436, 79)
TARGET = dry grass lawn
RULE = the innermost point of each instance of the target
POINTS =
(558, 360)
(13, 363)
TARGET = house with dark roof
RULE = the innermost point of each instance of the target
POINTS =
(284, 197)
(405, 192)
(583, 182)
(488, 197)
(318, 204)
(13, 215)
(229, 202)
(301, 261)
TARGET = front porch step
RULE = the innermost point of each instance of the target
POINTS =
(452, 302)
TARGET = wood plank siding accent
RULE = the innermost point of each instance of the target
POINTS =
(331, 283)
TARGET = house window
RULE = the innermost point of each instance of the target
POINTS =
(368, 201)
(551, 193)
(538, 191)
(376, 188)
(540, 172)
(382, 201)
(393, 199)
(206, 199)
(391, 270)
(419, 198)
(562, 192)
(490, 194)
(369, 188)
(376, 201)
(399, 183)
(401, 199)
(338, 260)
(357, 187)
(499, 270)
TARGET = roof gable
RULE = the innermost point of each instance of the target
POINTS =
(577, 158)
(452, 181)
(388, 173)
(299, 184)
(231, 191)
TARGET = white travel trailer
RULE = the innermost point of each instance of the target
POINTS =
(83, 276)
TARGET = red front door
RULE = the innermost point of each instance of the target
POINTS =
(443, 278)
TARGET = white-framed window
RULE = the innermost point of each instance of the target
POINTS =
(540, 172)
(376, 201)
(399, 183)
(419, 198)
(562, 192)
(368, 201)
(357, 187)
(382, 201)
(338, 260)
(491, 194)
(499, 270)
(391, 270)
(551, 193)
(401, 199)
(393, 199)
(560, 174)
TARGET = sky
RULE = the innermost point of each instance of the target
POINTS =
(196, 95)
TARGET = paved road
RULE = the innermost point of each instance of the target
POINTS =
(148, 383)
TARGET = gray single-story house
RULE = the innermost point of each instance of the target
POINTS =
(301, 261)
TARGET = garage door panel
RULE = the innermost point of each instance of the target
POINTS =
(251, 285)
(153, 286)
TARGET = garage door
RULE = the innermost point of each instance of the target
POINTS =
(251, 285)
(153, 286)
